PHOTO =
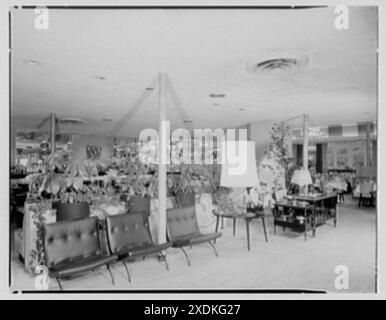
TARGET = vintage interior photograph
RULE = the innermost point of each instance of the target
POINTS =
(122, 126)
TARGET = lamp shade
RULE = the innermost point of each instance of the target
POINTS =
(301, 177)
(238, 167)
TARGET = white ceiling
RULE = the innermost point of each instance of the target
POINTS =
(203, 52)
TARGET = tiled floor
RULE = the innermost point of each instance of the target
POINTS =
(286, 261)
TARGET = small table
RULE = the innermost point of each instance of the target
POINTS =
(248, 216)
(287, 214)
(316, 210)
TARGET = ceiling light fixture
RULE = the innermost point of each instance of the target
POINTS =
(71, 120)
(188, 121)
(31, 62)
(217, 95)
(279, 62)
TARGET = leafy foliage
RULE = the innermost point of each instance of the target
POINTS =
(279, 149)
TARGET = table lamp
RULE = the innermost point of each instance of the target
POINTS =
(302, 177)
(242, 173)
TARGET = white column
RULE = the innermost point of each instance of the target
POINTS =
(162, 151)
(305, 141)
(53, 132)
(368, 162)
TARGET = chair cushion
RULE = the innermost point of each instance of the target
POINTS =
(71, 211)
(80, 265)
(181, 222)
(71, 240)
(125, 231)
(139, 205)
(196, 238)
(142, 250)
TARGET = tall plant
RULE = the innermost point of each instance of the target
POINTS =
(279, 149)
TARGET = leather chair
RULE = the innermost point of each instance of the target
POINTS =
(139, 205)
(182, 229)
(71, 211)
(186, 199)
(129, 237)
(73, 247)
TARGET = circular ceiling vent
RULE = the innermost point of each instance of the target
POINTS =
(278, 64)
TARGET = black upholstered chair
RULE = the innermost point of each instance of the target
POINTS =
(129, 237)
(73, 247)
(183, 231)
(71, 211)
(186, 199)
(139, 205)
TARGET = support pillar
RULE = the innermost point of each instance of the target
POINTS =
(53, 132)
(162, 152)
(368, 161)
(305, 141)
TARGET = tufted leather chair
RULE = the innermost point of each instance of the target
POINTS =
(129, 237)
(139, 205)
(186, 199)
(182, 227)
(73, 247)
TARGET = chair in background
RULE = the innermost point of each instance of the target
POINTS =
(72, 211)
(129, 236)
(183, 231)
(366, 194)
(73, 247)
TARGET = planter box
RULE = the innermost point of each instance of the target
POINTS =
(204, 207)
(36, 214)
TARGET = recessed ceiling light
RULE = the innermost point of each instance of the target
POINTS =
(217, 95)
(31, 62)
(149, 89)
(100, 78)
(188, 121)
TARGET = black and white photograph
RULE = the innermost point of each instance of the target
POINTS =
(193, 148)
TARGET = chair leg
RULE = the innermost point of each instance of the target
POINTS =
(222, 222)
(217, 223)
(60, 285)
(186, 255)
(164, 258)
(214, 248)
(127, 271)
(234, 226)
(111, 274)
(265, 230)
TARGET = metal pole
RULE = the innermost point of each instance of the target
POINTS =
(305, 147)
(162, 151)
(53, 132)
(305, 141)
(368, 161)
